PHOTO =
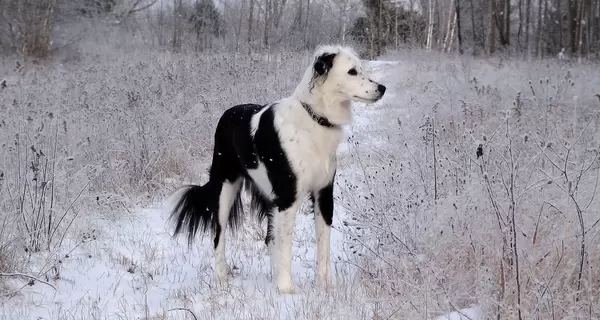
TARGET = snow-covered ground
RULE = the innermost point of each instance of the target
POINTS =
(415, 236)
(126, 265)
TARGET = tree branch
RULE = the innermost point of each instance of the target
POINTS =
(22, 275)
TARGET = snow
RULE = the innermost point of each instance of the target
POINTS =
(464, 314)
(128, 266)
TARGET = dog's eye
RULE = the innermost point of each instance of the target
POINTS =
(352, 72)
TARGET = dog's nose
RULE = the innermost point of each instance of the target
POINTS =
(381, 88)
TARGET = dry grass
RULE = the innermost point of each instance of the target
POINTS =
(428, 227)
(439, 227)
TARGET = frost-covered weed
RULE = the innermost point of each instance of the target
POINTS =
(482, 192)
(108, 132)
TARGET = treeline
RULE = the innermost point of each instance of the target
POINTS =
(529, 28)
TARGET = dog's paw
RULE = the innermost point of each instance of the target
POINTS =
(285, 286)
(286, 290)
(221, 278)
(222, 273)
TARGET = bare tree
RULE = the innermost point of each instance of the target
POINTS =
(267, 22)
(491, 35)
(580, 30)
(540, 25)
(250, 23)
(177, 24)
(527, 24)
(29, 26)
(431, 10)
(134, 7)
(475, 41)
(573, 23)
(460, 48)
(450, 28)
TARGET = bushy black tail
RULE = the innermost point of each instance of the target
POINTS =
(197, 207)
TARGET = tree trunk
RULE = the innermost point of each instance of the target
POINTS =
(475, 42)
(430, 26)
(520, 29)
(306, 29)
(527, 24)
(540, 25)
(438, 23)
(590, 21)
(573, 25)
(267, 23)
(458, 31)
(597, 24)
(560, 24)
(507, 12)
(596, 29)
(450, 22)
(491, 37)
(177, 24)
(250, 19)
(580, 30)
(452, 30)
(238, 33)
(483, 34)
(396, 40)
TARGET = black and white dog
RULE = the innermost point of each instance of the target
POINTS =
(282, 152)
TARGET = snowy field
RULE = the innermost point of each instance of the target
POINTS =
(427, 225)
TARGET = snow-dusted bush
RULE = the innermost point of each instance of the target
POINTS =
(482, 190)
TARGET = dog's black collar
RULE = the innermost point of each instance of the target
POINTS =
(318, 119)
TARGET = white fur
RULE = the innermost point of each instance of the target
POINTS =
(284, 230)
(323, 235)
(310, 147)
(226, 198)
(259, 175)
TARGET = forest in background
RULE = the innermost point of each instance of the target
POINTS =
(527, 28)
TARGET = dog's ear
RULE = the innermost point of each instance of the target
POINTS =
(324, 63)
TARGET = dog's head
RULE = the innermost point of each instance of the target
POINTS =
(339, 71)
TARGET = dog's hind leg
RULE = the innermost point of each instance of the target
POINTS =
(323, 205)
(229, 194)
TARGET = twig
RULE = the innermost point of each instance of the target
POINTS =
(184, 309)
(67, 211)
(547, 284)
(22, 275)
(458, 311)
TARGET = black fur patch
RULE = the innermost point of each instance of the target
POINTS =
(321, 68)
(325, 202)
(324, 63)
(271, 153)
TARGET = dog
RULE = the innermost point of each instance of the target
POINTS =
(282, 153)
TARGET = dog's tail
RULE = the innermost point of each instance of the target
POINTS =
(197, 208)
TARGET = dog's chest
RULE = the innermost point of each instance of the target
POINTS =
(312, 154)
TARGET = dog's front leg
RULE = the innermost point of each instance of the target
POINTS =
(323, 217)
(284, 231)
